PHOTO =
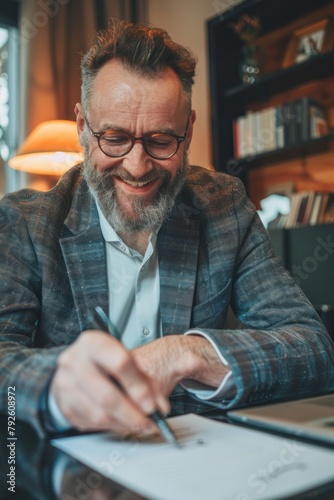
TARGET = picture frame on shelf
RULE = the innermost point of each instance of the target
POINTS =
(308, 41)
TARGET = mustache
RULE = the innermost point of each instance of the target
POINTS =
(152, 175)
(106, 177)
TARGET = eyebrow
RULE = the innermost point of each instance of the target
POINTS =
(166, 130)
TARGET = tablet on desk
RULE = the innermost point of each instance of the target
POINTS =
(309, 418)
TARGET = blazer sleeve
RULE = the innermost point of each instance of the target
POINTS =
(25, 367)
(282, 348)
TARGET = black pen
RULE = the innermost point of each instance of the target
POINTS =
(101, 321)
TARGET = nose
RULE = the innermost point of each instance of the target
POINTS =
(137, 162)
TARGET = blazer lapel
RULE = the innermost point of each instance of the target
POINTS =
(83, 249)
(178, 246)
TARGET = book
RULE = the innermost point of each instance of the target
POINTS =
(242, 147)
(313, 120)
(323, 203)
(328, 215)
(253, 135)
(264, 130)
(298, 107)
(279, 128)
(289, 124)
(313, 218)
(318, 122)
(294, 209)
(308, 207)
(301, 213)
(236, 138)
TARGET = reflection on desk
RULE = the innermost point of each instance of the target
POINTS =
(44, 473)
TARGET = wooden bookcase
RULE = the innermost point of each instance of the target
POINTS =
(309, 166)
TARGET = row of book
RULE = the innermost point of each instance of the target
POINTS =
(307, 208)
(287, 125)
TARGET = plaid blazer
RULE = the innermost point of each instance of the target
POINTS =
(213, 251)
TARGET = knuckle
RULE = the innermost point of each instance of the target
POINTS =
(98, 418)
(123, 362)
(64, 358)
(142, 395)
(104, 398)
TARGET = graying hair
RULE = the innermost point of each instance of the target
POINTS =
(142, 49)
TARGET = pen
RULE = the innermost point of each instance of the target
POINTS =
(101, 321)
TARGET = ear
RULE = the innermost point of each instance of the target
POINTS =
(80, 121)
(192, 120)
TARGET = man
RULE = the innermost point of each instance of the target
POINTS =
(163, 248)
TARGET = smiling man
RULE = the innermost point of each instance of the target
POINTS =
(164, 248)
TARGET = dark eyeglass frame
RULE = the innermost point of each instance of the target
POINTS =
(133, 139)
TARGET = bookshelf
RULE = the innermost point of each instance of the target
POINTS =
(308, 164)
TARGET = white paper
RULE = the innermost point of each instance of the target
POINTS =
(216, 461)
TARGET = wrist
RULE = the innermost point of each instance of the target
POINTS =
(193, 361)
(204, 362)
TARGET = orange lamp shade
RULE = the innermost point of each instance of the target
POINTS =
(51, 149)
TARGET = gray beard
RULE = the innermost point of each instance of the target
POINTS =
(149, 214)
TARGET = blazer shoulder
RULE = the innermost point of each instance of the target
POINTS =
(199, 176)
(29, 200)
(38, 210)
(208, 188)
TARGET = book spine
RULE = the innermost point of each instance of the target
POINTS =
(305, 119)
(298, 121)
(242, 145)
(279, 128)
(287, 123)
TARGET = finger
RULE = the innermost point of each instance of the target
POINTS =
(162, 402)
(94, 402)
(120, 365)
(111, 405)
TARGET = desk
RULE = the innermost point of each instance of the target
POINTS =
(40, 470)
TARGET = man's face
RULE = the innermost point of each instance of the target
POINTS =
(135, 191)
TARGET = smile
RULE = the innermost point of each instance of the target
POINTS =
(137, 183)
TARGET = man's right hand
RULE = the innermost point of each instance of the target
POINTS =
(98, 386)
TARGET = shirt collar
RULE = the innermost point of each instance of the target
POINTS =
(108, 232)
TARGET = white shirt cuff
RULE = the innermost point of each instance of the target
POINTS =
(60, 422)
(227, 388)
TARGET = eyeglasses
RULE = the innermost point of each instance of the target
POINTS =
(159, 145)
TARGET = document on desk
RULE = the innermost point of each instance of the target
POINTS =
(216, 461)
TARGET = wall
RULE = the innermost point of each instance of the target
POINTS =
(185, 21)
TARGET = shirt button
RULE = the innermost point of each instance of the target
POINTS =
(123, 248)
(146, 331)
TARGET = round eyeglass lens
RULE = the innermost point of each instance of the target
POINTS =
(117, 144)
(161, 145)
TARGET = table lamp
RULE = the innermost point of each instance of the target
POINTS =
(50, 149)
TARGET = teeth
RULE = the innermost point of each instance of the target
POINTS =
(135, 183)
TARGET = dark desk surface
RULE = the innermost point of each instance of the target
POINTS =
(40, 470)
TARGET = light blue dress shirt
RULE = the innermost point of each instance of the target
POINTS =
(134, 288)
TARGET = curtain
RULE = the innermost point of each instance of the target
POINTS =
(53, 36)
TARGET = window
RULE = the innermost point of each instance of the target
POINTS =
(9, 93)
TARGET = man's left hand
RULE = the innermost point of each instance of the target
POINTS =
(173, 358)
